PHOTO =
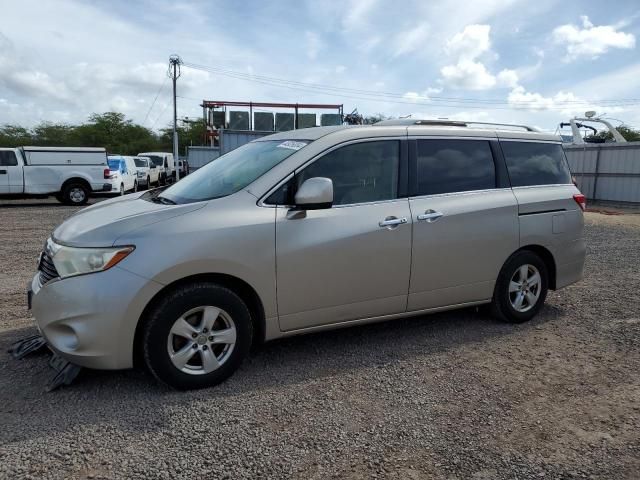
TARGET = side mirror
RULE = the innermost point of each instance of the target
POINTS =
(314, 194)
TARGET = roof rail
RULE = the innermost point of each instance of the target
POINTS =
(450, 123)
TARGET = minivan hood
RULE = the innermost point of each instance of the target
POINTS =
(102, 224)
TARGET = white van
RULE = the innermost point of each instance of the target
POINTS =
(70, 174)
(123, 174)
(148, 173)
(164, 161)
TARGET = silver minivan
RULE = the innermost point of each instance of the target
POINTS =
(309, 230)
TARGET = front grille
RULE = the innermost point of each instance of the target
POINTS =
(47, 269)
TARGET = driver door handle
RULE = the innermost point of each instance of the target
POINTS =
(430, 216)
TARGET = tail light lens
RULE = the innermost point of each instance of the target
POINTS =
(581, 200)
(107, 173)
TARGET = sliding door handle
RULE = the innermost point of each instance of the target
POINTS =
(430, 216)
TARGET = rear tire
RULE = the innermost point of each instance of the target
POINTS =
(521, 288)
(197, 336)
(75, 194)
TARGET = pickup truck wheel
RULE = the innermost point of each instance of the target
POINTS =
(521, 288)
(197, 336)
(75, 194)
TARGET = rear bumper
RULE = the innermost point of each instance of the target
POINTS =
(571, 271)
(90, 320)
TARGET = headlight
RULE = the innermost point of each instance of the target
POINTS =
(70, 261)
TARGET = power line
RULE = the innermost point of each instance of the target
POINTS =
(166, 105)
(401, 98)
(154, 100)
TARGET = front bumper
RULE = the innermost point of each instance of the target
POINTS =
(90, 320)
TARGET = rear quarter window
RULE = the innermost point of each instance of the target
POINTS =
(531, 163)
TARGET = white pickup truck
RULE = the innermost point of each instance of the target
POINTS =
(70, 174)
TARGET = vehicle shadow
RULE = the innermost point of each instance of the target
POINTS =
(116, 397)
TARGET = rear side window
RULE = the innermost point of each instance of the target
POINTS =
(532, 163)
(361, 172)
(449, 166)
(8, 158)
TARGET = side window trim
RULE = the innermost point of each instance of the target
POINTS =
(501, 181)
(502, 173)
(403, 175)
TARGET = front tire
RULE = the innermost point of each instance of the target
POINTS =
(135, 186)
(75, 194)
(197, 336)
(521, 288)
(121, 189)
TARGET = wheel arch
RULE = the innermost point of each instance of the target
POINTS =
(80, 180)
(241, 288)
(547, 257)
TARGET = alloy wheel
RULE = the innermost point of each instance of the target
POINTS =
(524, 288)
(201, 340)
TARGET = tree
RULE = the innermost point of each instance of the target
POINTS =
(629, 134)
(15, 136)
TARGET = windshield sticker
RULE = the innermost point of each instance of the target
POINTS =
(292, 145)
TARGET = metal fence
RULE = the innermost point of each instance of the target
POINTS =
(606, 171)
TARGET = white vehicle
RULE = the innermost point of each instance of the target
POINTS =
(70, 174)
(148, 174)
(122, 175)
(165, 163)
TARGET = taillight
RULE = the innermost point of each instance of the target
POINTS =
(581, 200)
(107, 173)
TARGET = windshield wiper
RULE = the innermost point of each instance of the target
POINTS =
(163, 200)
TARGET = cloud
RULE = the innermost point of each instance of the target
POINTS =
(590, 40)
(422, 96)
(412, 40)
(520, 98)
(468, 75)
(567, 103)
(314, 44)
(507, 78)
(357, 16)
(468, 72)
(25, 80)
(469, 44)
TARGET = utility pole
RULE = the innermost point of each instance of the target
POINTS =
(174, 72)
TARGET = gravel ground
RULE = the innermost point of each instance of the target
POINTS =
(454, 395)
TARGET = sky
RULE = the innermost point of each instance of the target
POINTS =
(528, 62)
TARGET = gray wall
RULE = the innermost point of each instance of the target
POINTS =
(232, 139)
(200, 156)
(606, 171)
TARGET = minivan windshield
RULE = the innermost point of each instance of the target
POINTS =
(140, 162)
(233, 171)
